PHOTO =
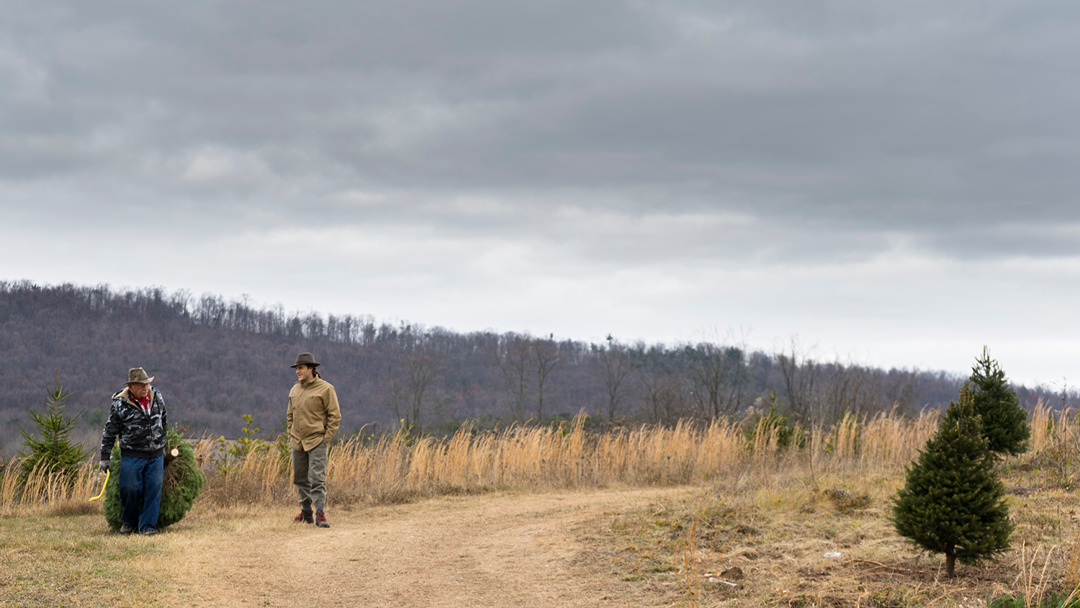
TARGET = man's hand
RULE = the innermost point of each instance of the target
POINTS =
(104, 465)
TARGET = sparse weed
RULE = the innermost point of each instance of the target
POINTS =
(1072, 563)
(894, 598)
(1053, 600)
(845, 501)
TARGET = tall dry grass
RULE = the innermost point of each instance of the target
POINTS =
(392, 468)
(395, 468)
(46, 492)
(1050, 427)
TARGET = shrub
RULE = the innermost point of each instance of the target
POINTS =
(764, 424)
(845, 501)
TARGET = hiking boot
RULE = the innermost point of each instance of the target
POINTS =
(126, 529)
(303, 518)
(148, 531)
(320, 520)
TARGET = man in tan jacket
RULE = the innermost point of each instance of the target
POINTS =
(313, 418)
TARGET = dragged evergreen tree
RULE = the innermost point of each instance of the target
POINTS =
(1005, 422)
(53, 451)
(952, 502)
(181, 483)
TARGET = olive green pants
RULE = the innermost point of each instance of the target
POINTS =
(309, 476)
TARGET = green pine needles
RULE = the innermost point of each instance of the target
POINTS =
(952, 501)
(180, 486)
(1005, 423)
(53, 452)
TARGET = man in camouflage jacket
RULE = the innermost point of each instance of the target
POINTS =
(138, 420)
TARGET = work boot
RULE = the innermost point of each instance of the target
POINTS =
(320, 520)
(126, 529)
(303, 518)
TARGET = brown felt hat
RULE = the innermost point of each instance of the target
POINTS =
(137, 375)
(307, 359)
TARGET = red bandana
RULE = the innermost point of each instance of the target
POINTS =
(144, 403)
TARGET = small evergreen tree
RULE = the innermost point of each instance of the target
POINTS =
(53, 451)
(1005, 423)
(952, 502)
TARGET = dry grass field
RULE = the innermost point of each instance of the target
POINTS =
(684, 516)
(791, 542)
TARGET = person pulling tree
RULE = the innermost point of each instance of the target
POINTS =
(137, 419)
(312, 419)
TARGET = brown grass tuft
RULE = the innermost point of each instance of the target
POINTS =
(46, 492)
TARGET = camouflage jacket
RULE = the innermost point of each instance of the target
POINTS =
(140, 435)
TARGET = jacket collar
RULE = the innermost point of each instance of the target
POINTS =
(125, 396)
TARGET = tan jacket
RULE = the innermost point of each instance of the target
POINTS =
(313, 415)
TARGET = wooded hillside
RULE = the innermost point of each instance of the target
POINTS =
(215, 360)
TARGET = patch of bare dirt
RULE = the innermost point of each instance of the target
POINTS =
(493, 550)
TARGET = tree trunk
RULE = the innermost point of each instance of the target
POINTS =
(950, 564)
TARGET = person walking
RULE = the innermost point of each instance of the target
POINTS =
(138, 420)
(313, 418)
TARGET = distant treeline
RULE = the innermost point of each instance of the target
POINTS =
(215, 360)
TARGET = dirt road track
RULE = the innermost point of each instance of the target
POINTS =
(491, 551)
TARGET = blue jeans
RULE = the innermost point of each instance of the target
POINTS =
(140, 491)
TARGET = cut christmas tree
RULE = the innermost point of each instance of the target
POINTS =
(180, 486)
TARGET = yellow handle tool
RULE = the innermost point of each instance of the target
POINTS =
(103, 486)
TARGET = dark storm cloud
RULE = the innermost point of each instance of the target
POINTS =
(950, 124)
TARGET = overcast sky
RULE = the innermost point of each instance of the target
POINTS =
(886, 183)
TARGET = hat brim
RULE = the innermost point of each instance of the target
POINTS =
(147, 381)
(296, 365)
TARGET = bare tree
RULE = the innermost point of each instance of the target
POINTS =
(615, 367)
(395, 394)
(663, 387)
(414, 366)
(799, 373)
(512, 356)
(899, 390)
(546, 357)
(421, 369)
(845, 390)
(718, 373)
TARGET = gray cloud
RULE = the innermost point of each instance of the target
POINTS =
(687, 156)
(843, 106)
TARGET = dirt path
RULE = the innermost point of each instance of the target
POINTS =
(492, 551)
